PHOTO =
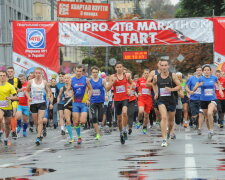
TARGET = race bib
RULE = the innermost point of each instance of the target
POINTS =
(183, 88)
(198, 91)
(66, 94)
(145, 91)
(4, 104)
(53, 91)
(132, 92)
(120, 89)
(208, 92)
(164, 92)
(96, 92)
(21, 94)
(37, 96)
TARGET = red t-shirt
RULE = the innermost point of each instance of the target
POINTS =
(23, 101)
(143, 89)
(120, 89)
(222, 82)
(132, 96)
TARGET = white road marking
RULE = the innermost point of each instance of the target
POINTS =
(5, 165)
(188, 137)
(35, 153)
(190, 168)
(189, 149)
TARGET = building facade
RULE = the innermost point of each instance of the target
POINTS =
(11, 10)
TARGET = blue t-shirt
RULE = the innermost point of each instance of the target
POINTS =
(191, 82)
(208, 88)
(79, 88)
(98, 95)
(58, 87)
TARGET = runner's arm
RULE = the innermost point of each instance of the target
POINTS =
(59, 95)
(220, 88)
(154, 85)
(110, 84)
(27, 91)
(89, 89)
(149, 80)
(177, 82)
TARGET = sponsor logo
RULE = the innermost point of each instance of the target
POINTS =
(36, 38)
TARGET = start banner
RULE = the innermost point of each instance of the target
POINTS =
(136, 32)
(35, 44)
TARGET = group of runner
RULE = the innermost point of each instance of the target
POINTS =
(167, 95)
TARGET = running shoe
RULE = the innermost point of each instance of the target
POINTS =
(122, 139)
(44, 131)
(199, 132)
(63, 132)
(221, 125)
(55, 126)
(173, 137)
(38, 141)
(18, 129)
(6, 143)
(164, 143)
(130, 131)
(210, 135)
(71, 141)
(168, 136)
(185, 125)
(97, 137)
(138, 125)
(41, 138)
(31, 129)
(1, 133)
(144, 131)
(24, 134)
(14, 135)
(125, 135)
(79, 141)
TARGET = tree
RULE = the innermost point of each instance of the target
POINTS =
(200, 8)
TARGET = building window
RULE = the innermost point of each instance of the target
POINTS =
(19, 16)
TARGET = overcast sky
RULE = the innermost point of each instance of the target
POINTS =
(174, 1)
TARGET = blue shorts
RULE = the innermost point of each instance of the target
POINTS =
(24, 109)
(79, 107)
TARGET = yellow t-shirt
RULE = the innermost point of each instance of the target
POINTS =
(6, 91)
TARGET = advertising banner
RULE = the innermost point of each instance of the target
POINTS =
(35, 44)
(136, 32)
(219, 44)
(135, 55)
(83, 10)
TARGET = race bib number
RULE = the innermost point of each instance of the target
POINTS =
(37, 96)
(53, 91)
(164, 92)
(4, 104)
(208, 92)
(198, 91)
(132, 92)
(145, 91)
(120, 89)
(21, 94)
(96, 92)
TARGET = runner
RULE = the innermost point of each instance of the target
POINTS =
(17, 84)
(220, 100)
(59, 85)
(97, 99)
(119, 82)
(144, 99)
(208, 97)
(38, 88)
(166, 85)
(7, 94)
(53, 112)
(194, 96)
(23, 108)
(82, 92)
(67, 92)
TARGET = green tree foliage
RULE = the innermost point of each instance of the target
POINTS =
(200, 8)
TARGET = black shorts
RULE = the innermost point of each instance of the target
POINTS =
(35, 107)
(184, 100)
(194, 106)
(68, 106)
(221, 105)
(171, 107)
(7, 113)
(60, 107)
(205, 104)
(119, 106)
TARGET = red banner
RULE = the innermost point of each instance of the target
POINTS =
(135, 55)
(83, 10)
(35, 44)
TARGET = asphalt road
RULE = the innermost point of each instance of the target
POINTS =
(188, 157)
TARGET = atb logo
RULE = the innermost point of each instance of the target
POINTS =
(36, 38)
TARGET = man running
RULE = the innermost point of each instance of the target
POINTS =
(18, 85)
(165, 85)
(144, 99)
(97, 99)
(23, 108)
(38, 88)
(119, 81)
(82, 93)
(7, 94)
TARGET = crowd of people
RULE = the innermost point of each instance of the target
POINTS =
(121, 99)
